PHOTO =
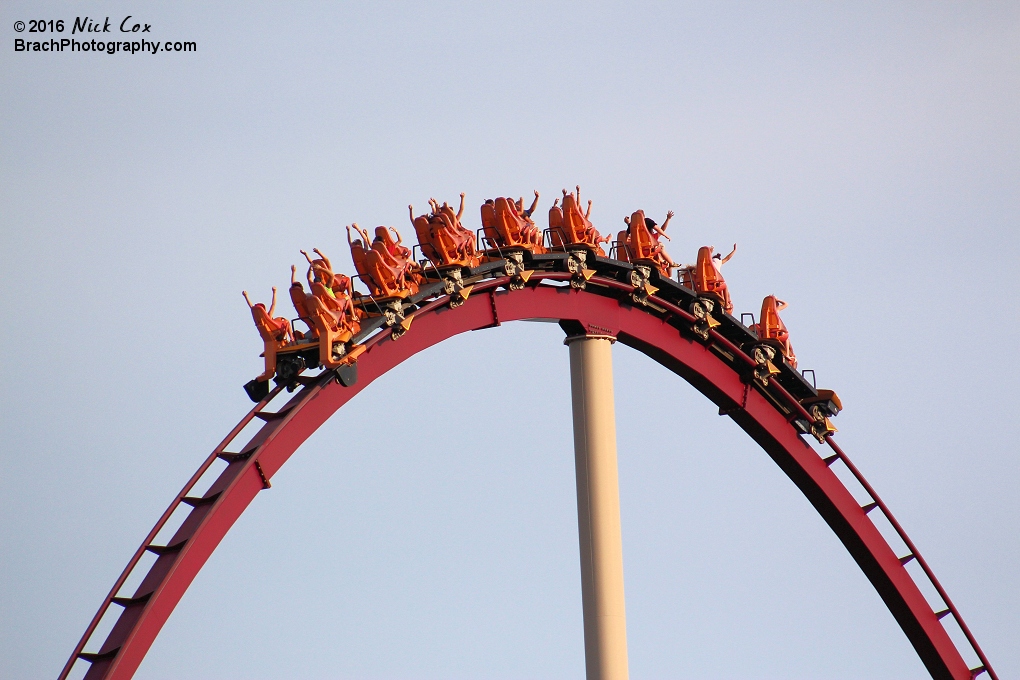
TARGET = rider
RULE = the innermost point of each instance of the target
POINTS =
(519, 204)
(322, 264)
(656, 231)
(299, 298)
(718, 260)
(771, 327)
(529, 232)
(271, 329)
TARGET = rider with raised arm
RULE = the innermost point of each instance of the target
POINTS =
(275, 332)
(520, 206)
(656, 230)
(441, 235)
(322, 265)
(393, 244)
(364, 239)
(463, 238)
(660, 231)
(705, 275)
(271, 328)
(359, 247)
(577, 196)
(718, 260)
(530, 231)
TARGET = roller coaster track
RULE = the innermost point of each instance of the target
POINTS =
(659, 326)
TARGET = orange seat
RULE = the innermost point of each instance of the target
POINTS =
(509, 224)
(396, 251)
(271, 329)
(644, 246)
(275, 332)
(423, 230)
(358, 253)
(623, 246)
(335, 320)
(577, 227)
(385, 267)
(771, 329)
(557, 232)
(504, 227)
(708, 280)
(445, 241)
(299, 298)
(489, 230)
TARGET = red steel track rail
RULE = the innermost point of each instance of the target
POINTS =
(657, 335)
(914, 553)
(111, 597)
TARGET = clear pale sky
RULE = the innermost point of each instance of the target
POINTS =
(864, 156)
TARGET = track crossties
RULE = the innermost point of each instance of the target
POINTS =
(715, 360)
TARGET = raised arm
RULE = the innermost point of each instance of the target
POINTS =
(293, 275)
(727, 258)
(322, 275)
(361, 232)
(247, 299)
(588, 211)
(780, 305)
(307, 256)
(272, 307)
(324, 258)
(534, 204)
(396, 233)
(460, 211)
(665, 223)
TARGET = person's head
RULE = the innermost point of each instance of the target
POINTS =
(649, 222)
(488, 201)
(716, 256)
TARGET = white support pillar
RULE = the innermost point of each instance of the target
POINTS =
(598, 507)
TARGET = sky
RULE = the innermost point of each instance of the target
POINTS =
(864, 156)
